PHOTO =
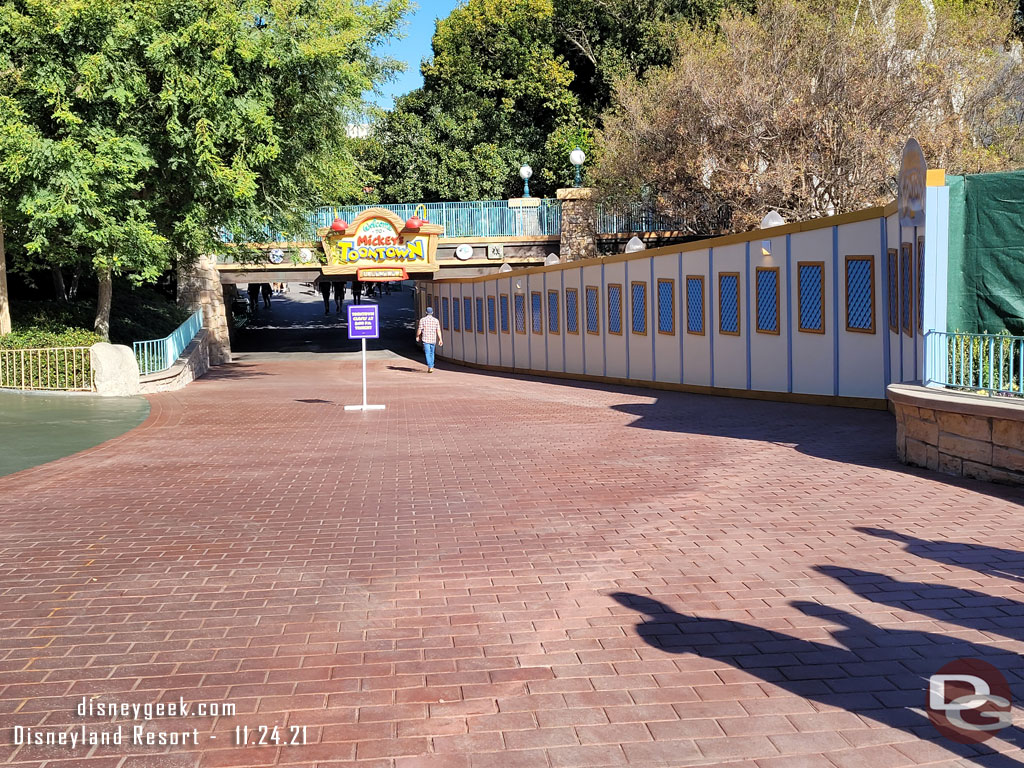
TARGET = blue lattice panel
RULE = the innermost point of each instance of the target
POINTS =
(444, 312)
(768, 300)
(859, 297)
(479, 315)
(729, 304)
(614, 309)
(572, 318)
(638, 316)
(456, 315)
(536, 319)
(520, 305)
(593, 325)
(492, 315)
(503, 312)
(695, 305)
(666, 307)
(894, 291)
(811, 291)
(468, 304)
(920, 285)
(552, 312)
(906, 287)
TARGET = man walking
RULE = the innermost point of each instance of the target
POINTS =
(430, 330)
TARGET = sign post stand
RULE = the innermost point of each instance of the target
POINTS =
(363, 323)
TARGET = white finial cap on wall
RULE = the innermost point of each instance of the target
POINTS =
(635, 244)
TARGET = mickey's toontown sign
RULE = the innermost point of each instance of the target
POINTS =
(379, 238)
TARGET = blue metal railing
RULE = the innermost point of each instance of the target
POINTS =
(159, 354)
(490, 218)
(975, 361)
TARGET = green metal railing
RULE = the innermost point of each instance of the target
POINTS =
(490, 218)
(159, 354)
(986, 362)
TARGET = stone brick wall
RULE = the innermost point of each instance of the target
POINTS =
(200, 287)
(579, 224)
(959, 434)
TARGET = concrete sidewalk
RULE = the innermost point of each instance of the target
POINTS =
(498, 571)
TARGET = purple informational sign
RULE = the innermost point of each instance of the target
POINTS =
(363, 321)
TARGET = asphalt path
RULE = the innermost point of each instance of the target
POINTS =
(295, 324)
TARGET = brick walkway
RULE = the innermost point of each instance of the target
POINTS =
(502, 572)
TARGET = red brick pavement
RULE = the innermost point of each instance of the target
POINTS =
(501, 572)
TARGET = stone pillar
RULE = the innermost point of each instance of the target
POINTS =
(200, 287)
(579, 223)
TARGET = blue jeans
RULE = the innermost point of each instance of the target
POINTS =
(428, 350)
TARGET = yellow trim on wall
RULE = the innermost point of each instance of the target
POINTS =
(935, 177)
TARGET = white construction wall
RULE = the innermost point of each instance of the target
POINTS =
(799, 311)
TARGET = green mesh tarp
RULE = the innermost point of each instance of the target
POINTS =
(986, 253)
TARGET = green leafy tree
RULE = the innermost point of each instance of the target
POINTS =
(496, 94)
(804, 109)
(134, 133)
(606, 40)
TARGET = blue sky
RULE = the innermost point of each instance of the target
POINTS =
(413, 48)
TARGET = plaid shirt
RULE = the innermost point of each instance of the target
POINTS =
(429, 328)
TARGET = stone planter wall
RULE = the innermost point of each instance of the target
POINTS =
(959, 433)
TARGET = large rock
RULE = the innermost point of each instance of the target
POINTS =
(115, 370)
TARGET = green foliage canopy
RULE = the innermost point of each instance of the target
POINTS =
(496, 94)
(134, 132)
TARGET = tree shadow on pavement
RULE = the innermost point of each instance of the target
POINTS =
(880, 674)
(992, 561)
(849, 435)
(235, 371)
(942, 602)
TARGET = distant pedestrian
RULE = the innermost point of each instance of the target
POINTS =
(325, 290)
(266, 290)
(339, 295)
(357, 292)
(253, 290)
(430, 331)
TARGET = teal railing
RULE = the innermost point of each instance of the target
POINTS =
(490, 218)
(159, 354)
(987, 362)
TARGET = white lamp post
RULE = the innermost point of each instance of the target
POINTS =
(577, 157)
(525, 172)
